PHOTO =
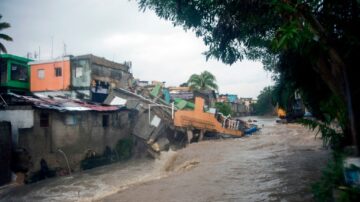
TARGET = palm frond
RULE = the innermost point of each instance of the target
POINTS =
(204, 81)
(4, 25)
(2, 48)
(5, 37)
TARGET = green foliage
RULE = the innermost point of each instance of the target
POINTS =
(203, 81)
(124, 148)
(121, 152)
(332, 113)
(312, 46)
(265, 102)
(232, 30)
(223, 107)
(332, 177)
(329, 136)
(4, 25)
(184, 84)
(94, 161)
(332, 181)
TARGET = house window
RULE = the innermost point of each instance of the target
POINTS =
(71, 119)
(105, 120)
(41, 73)
(58, 71)
(44, 119)
(19, 72)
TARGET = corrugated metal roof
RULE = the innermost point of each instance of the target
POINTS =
(64, 104)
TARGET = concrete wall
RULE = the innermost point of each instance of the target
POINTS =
(50, 82)
(75, 138)
(116, 77)
(80, 74)
(85, 70)
(19, 119)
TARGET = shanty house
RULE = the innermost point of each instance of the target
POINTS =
(98, 75)
(50, 75)
(14, 73)
(70, 126)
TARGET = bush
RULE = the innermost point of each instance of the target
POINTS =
(224, 108)
(332, 181)
(122, 151)
(123, 148)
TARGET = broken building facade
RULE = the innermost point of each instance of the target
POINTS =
(98, 76)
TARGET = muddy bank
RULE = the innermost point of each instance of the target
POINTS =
(277, 164)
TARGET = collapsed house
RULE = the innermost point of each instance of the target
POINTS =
(153, 121)
(59, 125)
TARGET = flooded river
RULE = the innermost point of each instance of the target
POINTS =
(278, 163)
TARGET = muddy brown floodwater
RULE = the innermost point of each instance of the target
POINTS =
(278, 163)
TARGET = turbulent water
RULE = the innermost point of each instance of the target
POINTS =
(278, 163)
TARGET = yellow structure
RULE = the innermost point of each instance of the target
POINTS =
(281, 113)
(198, 119)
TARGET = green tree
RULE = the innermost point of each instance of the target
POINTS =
(265, 102)
(224, 108)
(322, 32)
(203, 81)
(4, 25)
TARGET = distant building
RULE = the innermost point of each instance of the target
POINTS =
(227, 98)
(222, 98)
(181, 92)
(209, 97)
(50, 75)
(14, 73)
(232, 98)
(142, 83)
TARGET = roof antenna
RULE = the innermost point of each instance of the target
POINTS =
(64, 49)
(52, 46)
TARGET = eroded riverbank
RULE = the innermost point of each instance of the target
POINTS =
(277, 164)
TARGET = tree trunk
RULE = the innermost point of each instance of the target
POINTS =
(336, 76)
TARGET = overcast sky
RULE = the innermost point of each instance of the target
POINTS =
(117, 30)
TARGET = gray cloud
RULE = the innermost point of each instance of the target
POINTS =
(117, 30)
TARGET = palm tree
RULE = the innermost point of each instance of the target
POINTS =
(204, 81)
(4, 25)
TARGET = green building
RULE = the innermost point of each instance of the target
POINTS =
(14, 73)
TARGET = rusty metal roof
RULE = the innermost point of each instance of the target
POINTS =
(63, 104)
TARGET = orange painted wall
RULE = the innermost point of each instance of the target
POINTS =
(50, 82)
